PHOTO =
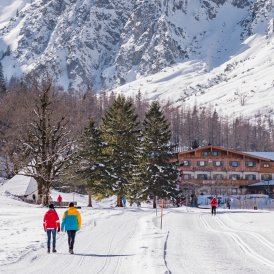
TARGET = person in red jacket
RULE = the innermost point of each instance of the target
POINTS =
(51, 226)
(214, 204)
(59, 199)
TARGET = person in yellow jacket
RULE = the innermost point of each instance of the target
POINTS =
(71, 223)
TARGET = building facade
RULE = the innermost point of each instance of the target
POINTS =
(219, 171)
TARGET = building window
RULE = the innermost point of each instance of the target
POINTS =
(187, 176)
(201, 163)
(218, 176)
(202, 176)
(205, 153)
(218, 163)
(250, 163)
(223, 191)
(266, 165)
(250, 177)
(234, 177)
(266, 177)
(234, 163)
(234, 191)
(185, 163)
(215, 153)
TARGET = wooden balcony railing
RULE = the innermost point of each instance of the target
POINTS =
(225, 182)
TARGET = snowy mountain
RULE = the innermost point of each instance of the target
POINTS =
(179, 50)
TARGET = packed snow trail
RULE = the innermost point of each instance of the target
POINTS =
(112, 243)
(129, 240)
(201, 243)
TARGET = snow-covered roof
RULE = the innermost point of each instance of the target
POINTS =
(268, 155)
(20, 185)
(263, 183)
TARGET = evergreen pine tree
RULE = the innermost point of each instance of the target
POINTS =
(2, 81)
(195, 144)
(159, 174)
(91, 161)
(120, 131)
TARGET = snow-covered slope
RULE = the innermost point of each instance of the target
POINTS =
(201, 51)
(243, 85)
(130, 240)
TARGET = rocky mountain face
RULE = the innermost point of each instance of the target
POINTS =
(102, 44)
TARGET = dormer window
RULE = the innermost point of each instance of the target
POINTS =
(205, 153)
(215, 153)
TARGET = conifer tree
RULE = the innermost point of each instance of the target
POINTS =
(120, 131)
(159, 174)
(90, 160)
(2, 81)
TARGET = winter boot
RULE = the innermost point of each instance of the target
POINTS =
(71, 251)
(48, 250)
(54, 250)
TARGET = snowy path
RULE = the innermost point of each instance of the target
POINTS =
(129, 240)
(201, 243)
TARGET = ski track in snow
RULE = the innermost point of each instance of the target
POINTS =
(234, 234)
(130, 241)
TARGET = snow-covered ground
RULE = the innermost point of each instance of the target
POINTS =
(129, 240)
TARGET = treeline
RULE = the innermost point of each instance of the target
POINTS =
(53, 136)
(198, 126)
(113, 144)
(190, 126)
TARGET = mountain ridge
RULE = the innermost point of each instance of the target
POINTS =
(111, 44)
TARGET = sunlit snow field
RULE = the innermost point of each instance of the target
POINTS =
(129, 240)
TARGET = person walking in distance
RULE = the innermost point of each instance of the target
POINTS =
(59, 200)
(51, 226)
(71, 223)
(214, 204)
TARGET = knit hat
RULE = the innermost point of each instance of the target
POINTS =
(71, 204)
(51, 206)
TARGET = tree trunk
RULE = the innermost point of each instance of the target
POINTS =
(119, 201)
(89, 199)
(46, 195)
(40, 192)
(154, 201)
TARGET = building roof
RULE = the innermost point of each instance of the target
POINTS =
(21, 185)
(266, 156)
(263, 183)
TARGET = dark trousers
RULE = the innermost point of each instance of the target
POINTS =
(213, 210)
(53, 233)
(71, 238)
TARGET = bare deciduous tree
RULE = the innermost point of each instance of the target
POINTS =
(46, 145)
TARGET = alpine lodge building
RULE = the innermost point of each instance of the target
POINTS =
(213, 170)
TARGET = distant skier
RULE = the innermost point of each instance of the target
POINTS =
(71, 223)
(214, 204)
(51, 226)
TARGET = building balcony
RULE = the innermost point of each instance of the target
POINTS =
(224, 182)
